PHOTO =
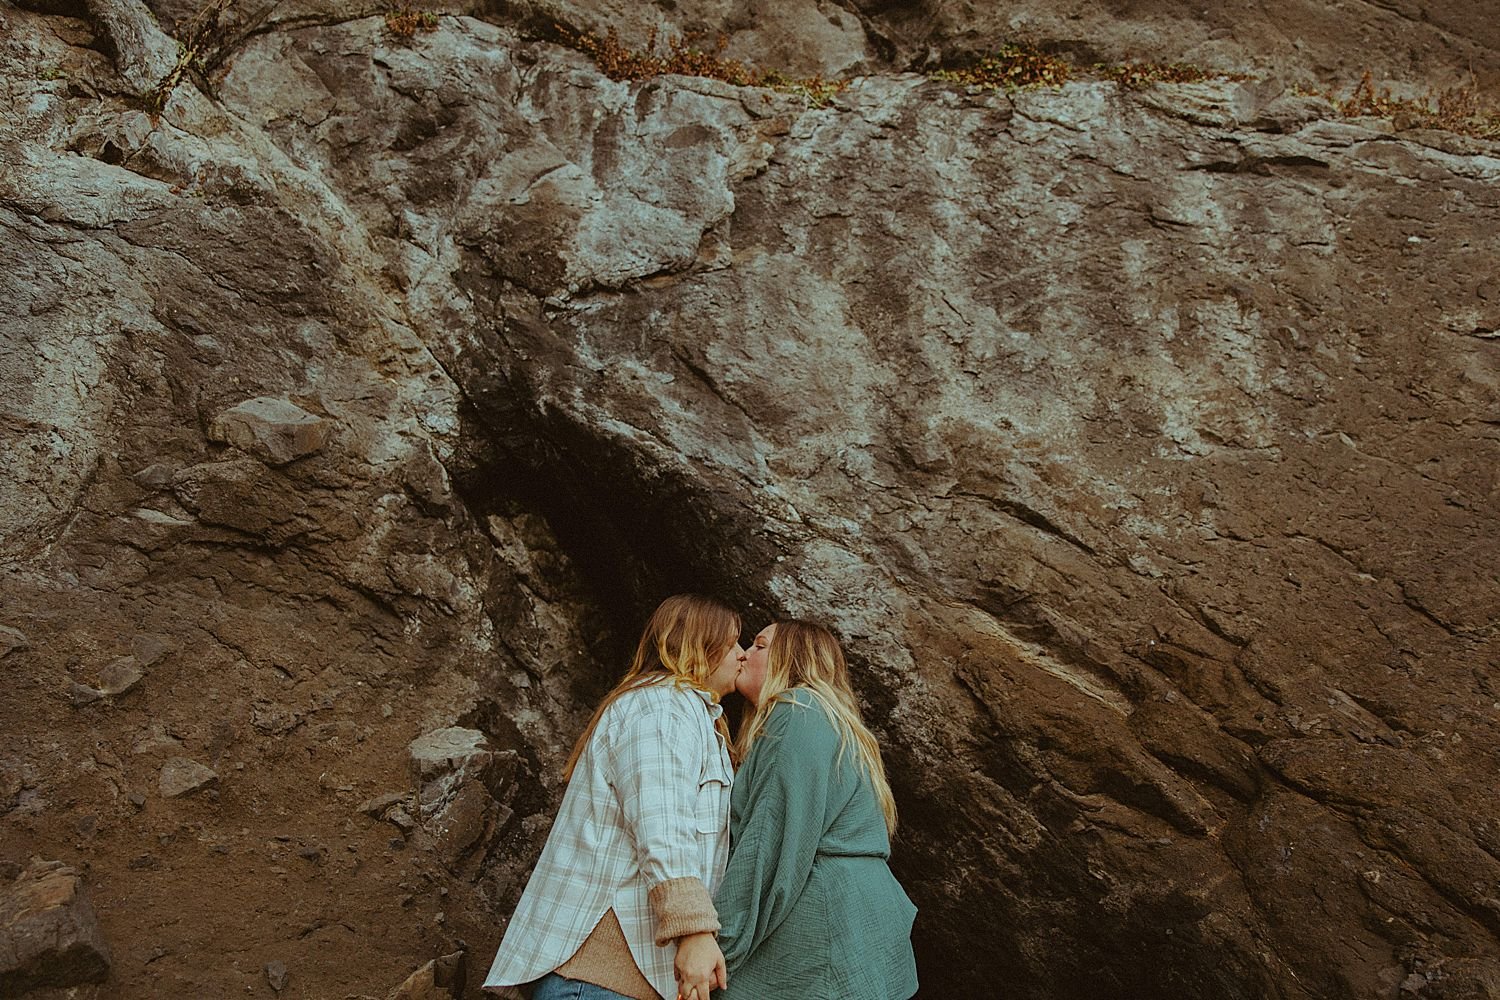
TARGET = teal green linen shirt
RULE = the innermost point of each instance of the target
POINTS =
(809, 907)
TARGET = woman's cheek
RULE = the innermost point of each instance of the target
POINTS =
(748, 682)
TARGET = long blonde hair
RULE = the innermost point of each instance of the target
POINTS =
(684, 640)
(805, 655)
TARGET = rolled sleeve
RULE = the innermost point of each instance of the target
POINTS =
(682, 906)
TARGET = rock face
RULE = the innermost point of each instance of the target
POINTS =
(1140, 445)
(1419, 47)
(320, 613)
(49, 935)
(1439, 44)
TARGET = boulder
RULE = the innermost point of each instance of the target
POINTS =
(457, 777)
(49, 936)
(276, 431)
(452, 750)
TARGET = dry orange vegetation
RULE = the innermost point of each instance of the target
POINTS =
(1457, 109)
(1011, 67)
(618, 62)
(405, 24)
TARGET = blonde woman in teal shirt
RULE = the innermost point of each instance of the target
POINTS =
(809, 907)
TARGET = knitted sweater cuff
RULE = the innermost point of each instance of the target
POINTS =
(682, 906)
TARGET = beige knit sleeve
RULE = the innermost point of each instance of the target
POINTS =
(682, 906)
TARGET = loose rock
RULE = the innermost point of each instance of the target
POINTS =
(181, 776)
(273, 719)
(375, 808)
(439, 979)
(456, 774)
(155, 476)
(120, 676)
(448, 750)
(82, 694)
(402, 819)
(276, 975)
(12, 640)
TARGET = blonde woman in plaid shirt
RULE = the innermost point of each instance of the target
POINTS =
(620, 904)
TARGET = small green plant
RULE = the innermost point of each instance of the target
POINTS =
(48, 73)
(1021, 66)
(1011, 67)
(405, 23)
(187, 61)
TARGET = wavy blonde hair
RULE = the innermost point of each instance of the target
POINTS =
(684, 640)
(806, 655)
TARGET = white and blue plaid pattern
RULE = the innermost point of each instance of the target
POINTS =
(648, 802)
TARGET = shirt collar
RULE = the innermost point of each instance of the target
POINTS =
(714, 708)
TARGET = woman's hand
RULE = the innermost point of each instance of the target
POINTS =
(699, 967)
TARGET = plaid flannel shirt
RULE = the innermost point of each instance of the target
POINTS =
(648, 802)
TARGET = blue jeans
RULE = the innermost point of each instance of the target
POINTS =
(555, 987)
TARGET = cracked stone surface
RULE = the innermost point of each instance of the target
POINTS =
(1142, 447)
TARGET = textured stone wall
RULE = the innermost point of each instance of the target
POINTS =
(1142, 447)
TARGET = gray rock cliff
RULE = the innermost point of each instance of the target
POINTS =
(1141, 445)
